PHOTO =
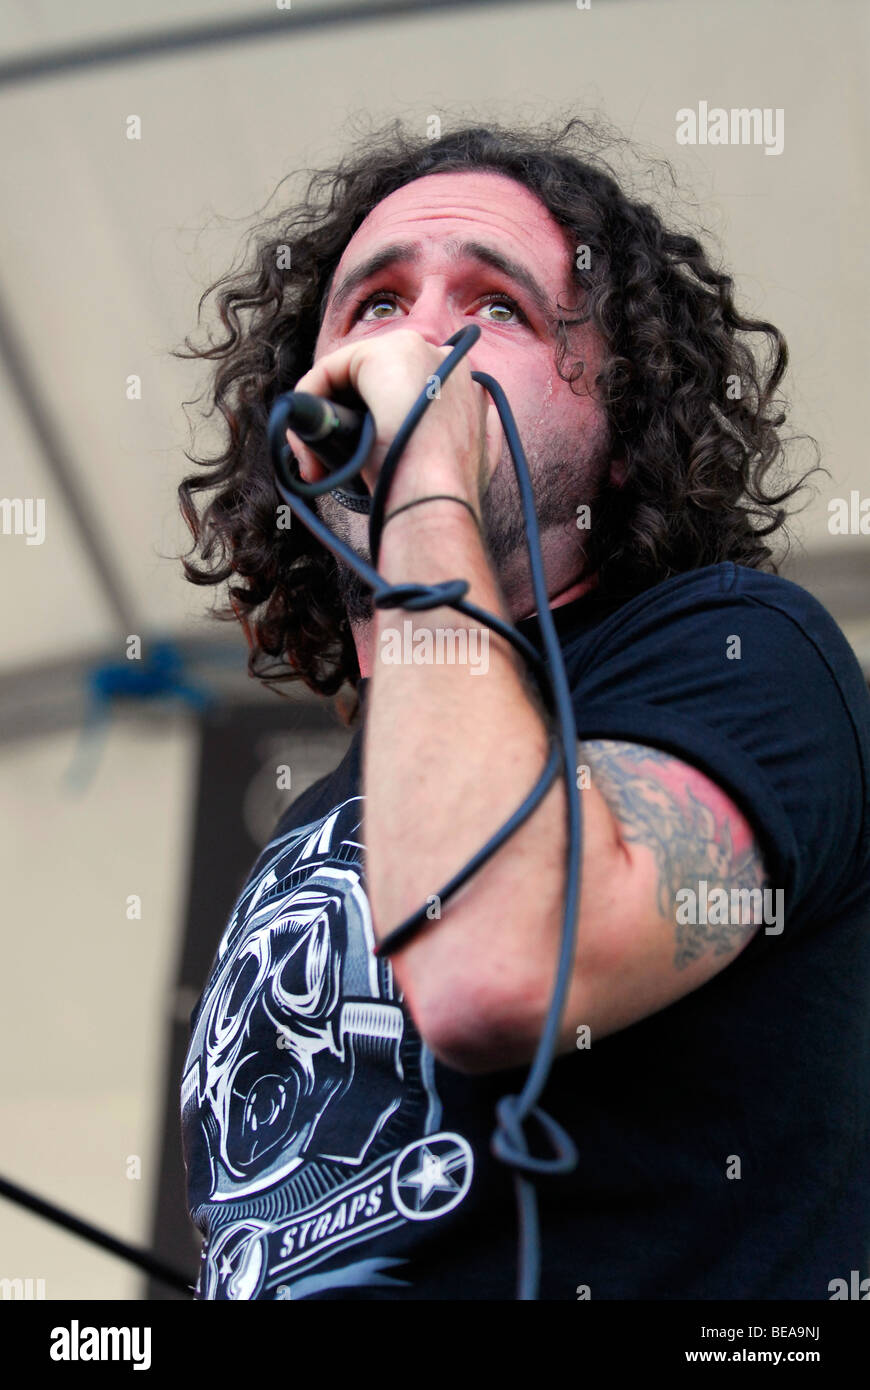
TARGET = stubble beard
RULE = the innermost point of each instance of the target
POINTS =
(559, 487)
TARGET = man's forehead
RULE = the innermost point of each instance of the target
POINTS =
(479, 214)
(480, 202)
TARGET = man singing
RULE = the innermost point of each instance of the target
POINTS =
(713, 1061)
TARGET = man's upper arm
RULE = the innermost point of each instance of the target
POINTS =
(671, 927)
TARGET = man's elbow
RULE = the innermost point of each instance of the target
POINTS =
(480, 1028)
(611, 985)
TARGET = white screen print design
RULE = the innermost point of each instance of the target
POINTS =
(309, 1111)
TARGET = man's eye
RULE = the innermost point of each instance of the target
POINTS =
(372, 300)
(505, 300)
(379, 297)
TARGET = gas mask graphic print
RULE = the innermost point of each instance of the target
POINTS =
(297, 1042)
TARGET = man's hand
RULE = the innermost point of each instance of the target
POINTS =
(457, 443)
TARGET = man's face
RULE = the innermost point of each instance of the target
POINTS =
(438, 284)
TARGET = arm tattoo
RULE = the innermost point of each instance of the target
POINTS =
(691, 833)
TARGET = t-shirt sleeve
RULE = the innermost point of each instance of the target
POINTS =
(746, 676)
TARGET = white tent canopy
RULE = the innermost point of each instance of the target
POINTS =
(106, 244)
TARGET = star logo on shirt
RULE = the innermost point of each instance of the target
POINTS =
(431, 1176)
(236, 1260)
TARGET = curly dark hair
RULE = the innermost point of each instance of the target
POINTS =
(691, 407)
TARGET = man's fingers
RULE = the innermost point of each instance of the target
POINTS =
(310, 467)
(331, 373)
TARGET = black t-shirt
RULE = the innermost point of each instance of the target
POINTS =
(330, 1155)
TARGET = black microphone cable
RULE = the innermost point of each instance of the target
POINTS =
(142, 1259)
(508, 1142)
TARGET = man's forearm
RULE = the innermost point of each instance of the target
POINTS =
(449, 754)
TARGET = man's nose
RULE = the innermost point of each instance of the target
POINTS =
(433, 317)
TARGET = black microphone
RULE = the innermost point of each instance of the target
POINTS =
(331, 431)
